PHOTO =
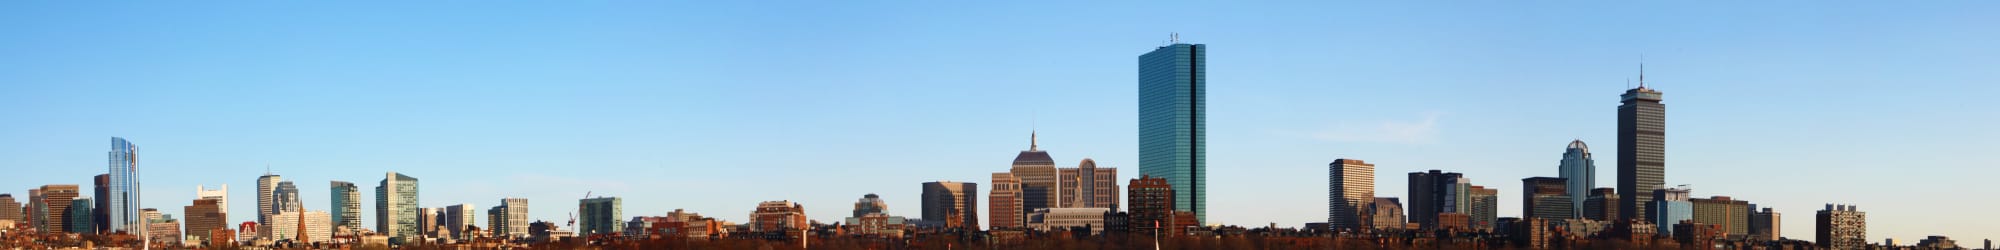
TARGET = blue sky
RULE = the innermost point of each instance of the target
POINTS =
(715, 107)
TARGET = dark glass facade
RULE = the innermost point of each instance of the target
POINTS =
(1173, 122)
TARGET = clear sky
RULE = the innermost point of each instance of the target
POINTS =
(713, 108)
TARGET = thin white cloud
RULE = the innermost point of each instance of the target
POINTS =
(1422, 131)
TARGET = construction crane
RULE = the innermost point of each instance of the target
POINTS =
(572, 213)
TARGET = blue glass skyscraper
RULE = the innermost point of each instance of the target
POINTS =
(1580, 173)
(123, 207)
(1173, 123)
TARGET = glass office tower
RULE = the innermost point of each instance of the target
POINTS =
(1173, 123)
(123, 205)
(346, 205)
(1579, 172)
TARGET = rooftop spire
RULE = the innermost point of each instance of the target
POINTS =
(1031, 141)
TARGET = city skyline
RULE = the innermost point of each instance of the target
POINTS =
(1286, 100)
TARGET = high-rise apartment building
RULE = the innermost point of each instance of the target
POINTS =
(1579, 172)
(509, 219)
(1004, 203)
(1350, 187)
(1150, 204)
(203, 217)
(1731, 215)
(302, 226)
(458, 217)
(1602, 205)
(600, 216)
(1432, 193)
(1669, 206)
(1173, 122)
(54, 207)
(956, 204)
(1841, 227)
(1386, 213)
(1484, 204)
(346, 205)
(123, 206)
(1088, 186)
(1546, 198)
(778, 216)
(1765, 225)
(396, 207)
(1642, 149)
(266, 186)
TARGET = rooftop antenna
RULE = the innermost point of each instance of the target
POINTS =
(1175, 37)
(1642, 70)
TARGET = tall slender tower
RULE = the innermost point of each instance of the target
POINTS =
(1642, 148)
(124, 200)
(1579, 173)
(1350, 187)
(266, 186)
(1173, 123)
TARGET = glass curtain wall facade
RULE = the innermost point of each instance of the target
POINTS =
(396, 207)
(1173, 122)
(1580, 174)
(122, 206)
(346, 205)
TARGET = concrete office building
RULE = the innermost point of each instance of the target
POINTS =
(1003, 206)
(955, 204)
(1173, 122)
(203, 217)
(1048, 219)
(1432, 193)
(220, 195)
(1038, 178)
(1546, 198)
(1841, 227)
(301, 226)
(1484, 205)
(1350, 187)
(1087, 185)
(1386, 213)
(1602, 205)
(509, 219)
(458, 217)
(396, 207)
(1731, 215)
(1765, 225)
(1642, 148)
(266, 186)
(52, 210)
(122, 201)
(600, 216)
(1579, 173)
(10, 209)
(346, 205)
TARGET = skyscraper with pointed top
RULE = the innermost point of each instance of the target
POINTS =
(1642, 137)
(1173, 123)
